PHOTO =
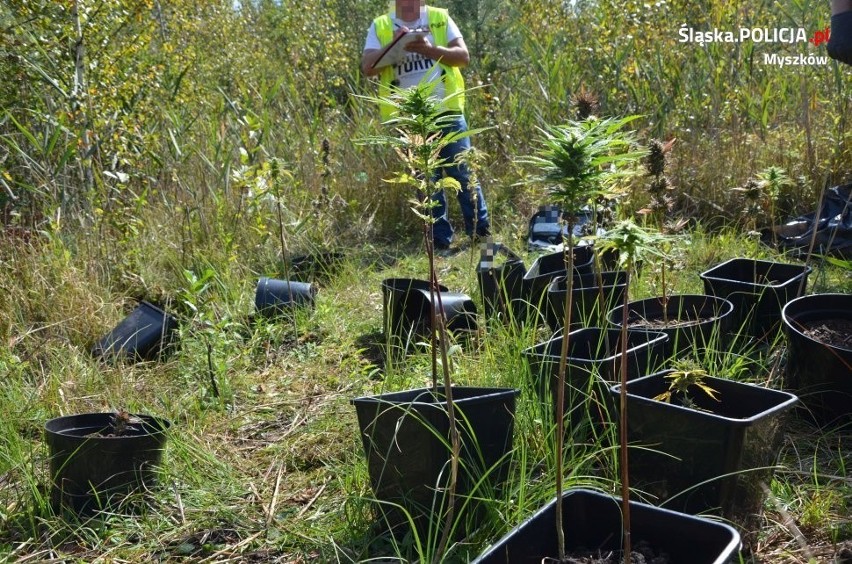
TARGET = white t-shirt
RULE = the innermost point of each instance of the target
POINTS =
(411, 70)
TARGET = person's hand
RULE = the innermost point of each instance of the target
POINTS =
(419, 45)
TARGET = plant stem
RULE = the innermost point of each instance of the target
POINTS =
(434, 296)
(284, 250)
(210, 371)
(622, 438)
(439, 334)
(560, 385)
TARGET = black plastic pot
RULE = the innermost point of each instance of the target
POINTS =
(96, 472)
(758, 289)
(501, 286)
(593, 364)
(146, 334)
(407, 312)
(547, 267)
(592, 520)
(274, 297)
(711, 458)
(586, 296)
(819, 373)
(694, 320)
(406, 442)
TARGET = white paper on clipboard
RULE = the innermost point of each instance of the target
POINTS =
(395, 50)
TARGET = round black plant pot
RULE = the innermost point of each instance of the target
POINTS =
(274, 297)
(407, 311)
(588, 289)
(147, 333)
(818, 372)
(90, 471)
(593, 364)
(694, 320)
(592, 520)
(759, 289)
(710, 458)
(406, 442)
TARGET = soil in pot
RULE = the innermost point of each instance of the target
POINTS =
(832, 332)
(406, 441)
(98, 461)
(819, 356)
(690, 320)
(643, 553)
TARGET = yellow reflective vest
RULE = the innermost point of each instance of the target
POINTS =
(453, 81)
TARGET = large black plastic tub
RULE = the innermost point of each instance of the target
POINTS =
(820, 373)
(759, 289)
(711, 458)
(542, 272)
(593, 520)
(593, 364)
(592, 295)
(695, 321)
(406, 442)
(95, 472)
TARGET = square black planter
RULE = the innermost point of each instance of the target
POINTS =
(406, 440)
(711, 458)
(593, 520)
(543, 271)
(592, 296)
(593, 365)
(695, 321)
(759, 289)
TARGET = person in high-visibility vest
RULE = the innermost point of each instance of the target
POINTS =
(438, 55)
(840, 42)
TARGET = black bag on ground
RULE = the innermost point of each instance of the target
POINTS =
(833, 226)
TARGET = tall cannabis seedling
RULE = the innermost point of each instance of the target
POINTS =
(577, 162)
(417, 136)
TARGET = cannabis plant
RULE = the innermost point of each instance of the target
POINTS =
(772, 180)
(576, 163)
(681, 383)
(417, 135)
(632, 244)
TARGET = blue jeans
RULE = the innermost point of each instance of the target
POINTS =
(442, 231)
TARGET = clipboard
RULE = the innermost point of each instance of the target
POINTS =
(394, 52)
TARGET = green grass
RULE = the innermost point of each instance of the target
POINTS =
(273, 467)
(181, 208)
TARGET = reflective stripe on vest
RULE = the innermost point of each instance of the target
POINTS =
(453, 82)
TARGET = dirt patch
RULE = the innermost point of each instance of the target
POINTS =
(655, 323)
(642, 553)
(834, 332)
